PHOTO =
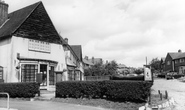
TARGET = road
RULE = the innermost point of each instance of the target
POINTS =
(45, 105)
(175, 88)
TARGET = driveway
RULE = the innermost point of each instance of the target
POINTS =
(45, 105)
(175, 88)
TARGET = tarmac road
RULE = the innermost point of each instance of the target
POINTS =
(175, 88)
(45, 105)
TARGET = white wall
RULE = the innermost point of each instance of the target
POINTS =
(5, 58)
(20, 45)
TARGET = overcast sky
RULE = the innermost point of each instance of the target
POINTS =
(123, 30)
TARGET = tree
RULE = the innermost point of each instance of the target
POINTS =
(155, 65)
(139, 71)
(100, 69)
(111, 68)
(95, 70)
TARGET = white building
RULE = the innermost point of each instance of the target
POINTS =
(30, 47)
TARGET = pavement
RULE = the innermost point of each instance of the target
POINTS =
(175, 88)
(44, 105)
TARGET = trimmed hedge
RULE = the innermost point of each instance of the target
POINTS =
(178, 76)
(112, 89)
(137, 78)
(20, 90)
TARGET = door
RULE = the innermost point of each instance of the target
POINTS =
(43, 71)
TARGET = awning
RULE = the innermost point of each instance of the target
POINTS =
(37, 59)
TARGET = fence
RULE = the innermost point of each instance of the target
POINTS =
(96, 78)
(8, 98)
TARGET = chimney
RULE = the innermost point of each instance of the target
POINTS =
(66, 40)
(86, 57)
(3, 12)
(179, 51)
(93, 60)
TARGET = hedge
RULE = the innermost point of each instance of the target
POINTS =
(112, 89)
(137, 78)
(20, 90)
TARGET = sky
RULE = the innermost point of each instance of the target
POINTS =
(126, 31)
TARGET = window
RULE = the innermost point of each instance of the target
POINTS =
(28, 72)
(1, 73)
(168, 62)
(176, 61)
(51, 76)
(181, 60)
(40, 46)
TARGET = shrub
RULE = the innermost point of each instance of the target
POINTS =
(136, 78)
(161, 76)
(112, 89)
(77, 89)
(178, 76)
(127, 90)
(19, 90)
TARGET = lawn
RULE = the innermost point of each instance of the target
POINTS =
(113, 105)
(102, 103)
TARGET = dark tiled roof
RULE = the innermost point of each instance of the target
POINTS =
(15, 19)
(177, 55)
(87, 62)
(78, 51)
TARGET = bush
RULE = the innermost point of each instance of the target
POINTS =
(113, 90)
(77, 89)
(20, 90)
(161, 75)
(178, 76)
(137, 78)
(127, 90)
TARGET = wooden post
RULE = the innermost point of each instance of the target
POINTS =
(149, 102)
(166, 94)
(161, 96)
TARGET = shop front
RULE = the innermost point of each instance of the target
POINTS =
(38, 70)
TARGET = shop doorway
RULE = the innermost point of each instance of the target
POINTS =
(43, 72)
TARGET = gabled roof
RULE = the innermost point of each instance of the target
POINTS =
(177, 55)
(87, 62)
(163, 60)
(15, 19)
(77, 50)
(32, 22)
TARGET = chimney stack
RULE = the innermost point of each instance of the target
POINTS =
(93, 60)
(86, 57)
(66, 40)
(179, 51)
(3, 12)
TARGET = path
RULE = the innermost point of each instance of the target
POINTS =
(175, 88)
(45, 105)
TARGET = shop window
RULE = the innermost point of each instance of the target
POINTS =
(28, 72)
(51, 76)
